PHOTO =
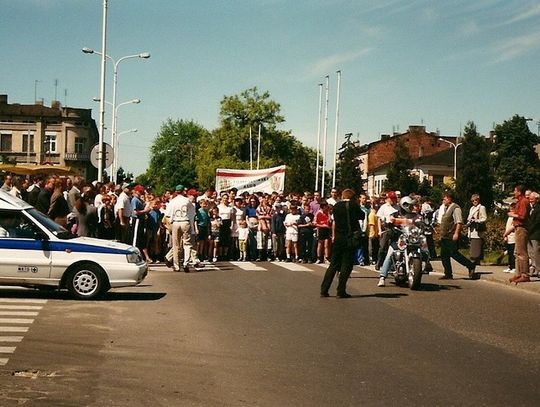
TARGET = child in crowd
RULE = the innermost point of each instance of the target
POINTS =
(291, 234)
(215, 226)
(243, 235)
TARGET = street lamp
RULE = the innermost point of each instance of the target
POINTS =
(455, 154)
(114, 141)
(143, 55)
(115, 151)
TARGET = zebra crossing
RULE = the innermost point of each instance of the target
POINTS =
(16, 316)
(252, 266)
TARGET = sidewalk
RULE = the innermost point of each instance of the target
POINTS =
(487, 273)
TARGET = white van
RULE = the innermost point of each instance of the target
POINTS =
(37, 252)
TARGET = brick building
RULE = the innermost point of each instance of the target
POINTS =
(56, 135)
(433, 157)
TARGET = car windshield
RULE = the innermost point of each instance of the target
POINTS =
(50, 225)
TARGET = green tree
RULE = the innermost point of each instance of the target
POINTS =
(123, 176)
(173, 154)
(230, 145)
(349, 174)
(474, 159)
(398, 176)
(514, 159)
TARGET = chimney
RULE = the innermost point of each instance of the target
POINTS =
(55, 104)
(385, 136)
(3, 99)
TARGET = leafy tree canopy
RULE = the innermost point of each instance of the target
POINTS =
(515, 160)
(349, 174)
(474, 159)
(399, 177)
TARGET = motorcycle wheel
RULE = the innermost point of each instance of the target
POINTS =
(415, 276)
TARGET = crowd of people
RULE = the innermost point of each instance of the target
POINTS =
(260, 226)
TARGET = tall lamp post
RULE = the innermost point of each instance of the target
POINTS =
(114, 166)
(116, 156)
(455, 145)
(143, 55)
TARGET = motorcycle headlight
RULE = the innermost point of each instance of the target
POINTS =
(134, 256)
(402, 242)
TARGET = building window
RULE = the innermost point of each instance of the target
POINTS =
(5, 142)
(438, 180)
(421, 151)
(26, 146)
(80, 145)
(49, 143)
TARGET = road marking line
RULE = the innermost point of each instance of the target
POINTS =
(247, 266)
(23, 300)
(3, 362)
(15, 321)
(13, 329)
(7, 349)
(11, 338)
(22, 307)
(293, 266)
(19, 313)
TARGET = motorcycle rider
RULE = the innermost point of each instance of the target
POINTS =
(405, 216)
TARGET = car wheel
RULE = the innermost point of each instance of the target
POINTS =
(86, 282)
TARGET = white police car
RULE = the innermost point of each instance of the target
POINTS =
(37, 252)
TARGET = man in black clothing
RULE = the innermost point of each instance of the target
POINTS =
(43, 201)
(347, 216)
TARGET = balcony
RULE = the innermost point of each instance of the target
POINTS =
(77, 157)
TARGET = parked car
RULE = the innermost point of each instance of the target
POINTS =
(37, 252)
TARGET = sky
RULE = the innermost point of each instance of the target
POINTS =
(410, 62)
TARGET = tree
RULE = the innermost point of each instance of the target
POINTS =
(349, 174)
(474, 159)
(122, 176)
(230, 145)
(398, 176)
(515, 160)
(173, 154)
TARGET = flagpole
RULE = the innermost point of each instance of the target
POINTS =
(336, 129)
(325, 135)
(259, 148)
(250, 150)
(318, 138)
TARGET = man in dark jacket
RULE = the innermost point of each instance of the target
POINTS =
(347, 216)
(43, 202)
(533, 228)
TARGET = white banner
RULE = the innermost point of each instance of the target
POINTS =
(267, 180)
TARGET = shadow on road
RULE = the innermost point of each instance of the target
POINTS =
(438, 287)
(51, 294)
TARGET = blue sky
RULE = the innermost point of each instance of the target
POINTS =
(440, 63)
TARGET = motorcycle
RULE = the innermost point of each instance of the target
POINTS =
(410, 251)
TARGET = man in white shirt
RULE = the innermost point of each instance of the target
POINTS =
(181, 215)
(385, 216)
(123, 211)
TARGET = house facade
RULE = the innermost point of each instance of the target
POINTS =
(433, 157)
(56, 135)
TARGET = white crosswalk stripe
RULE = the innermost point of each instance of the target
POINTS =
(247, 266)
(12, 321)
(292, 266)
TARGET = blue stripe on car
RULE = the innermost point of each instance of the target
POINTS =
(31, 244)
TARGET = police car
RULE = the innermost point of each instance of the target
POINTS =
(37, 252)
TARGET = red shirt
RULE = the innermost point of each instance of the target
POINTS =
(521, 210)
(322, 218)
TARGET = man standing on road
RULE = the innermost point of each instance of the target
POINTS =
(451, 221)
(347, 217)
(534, 234)
(521, 217)
(181, 215)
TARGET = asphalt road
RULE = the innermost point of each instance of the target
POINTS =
(261, 336)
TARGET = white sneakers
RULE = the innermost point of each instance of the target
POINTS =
(509, 270)
(381, 282)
